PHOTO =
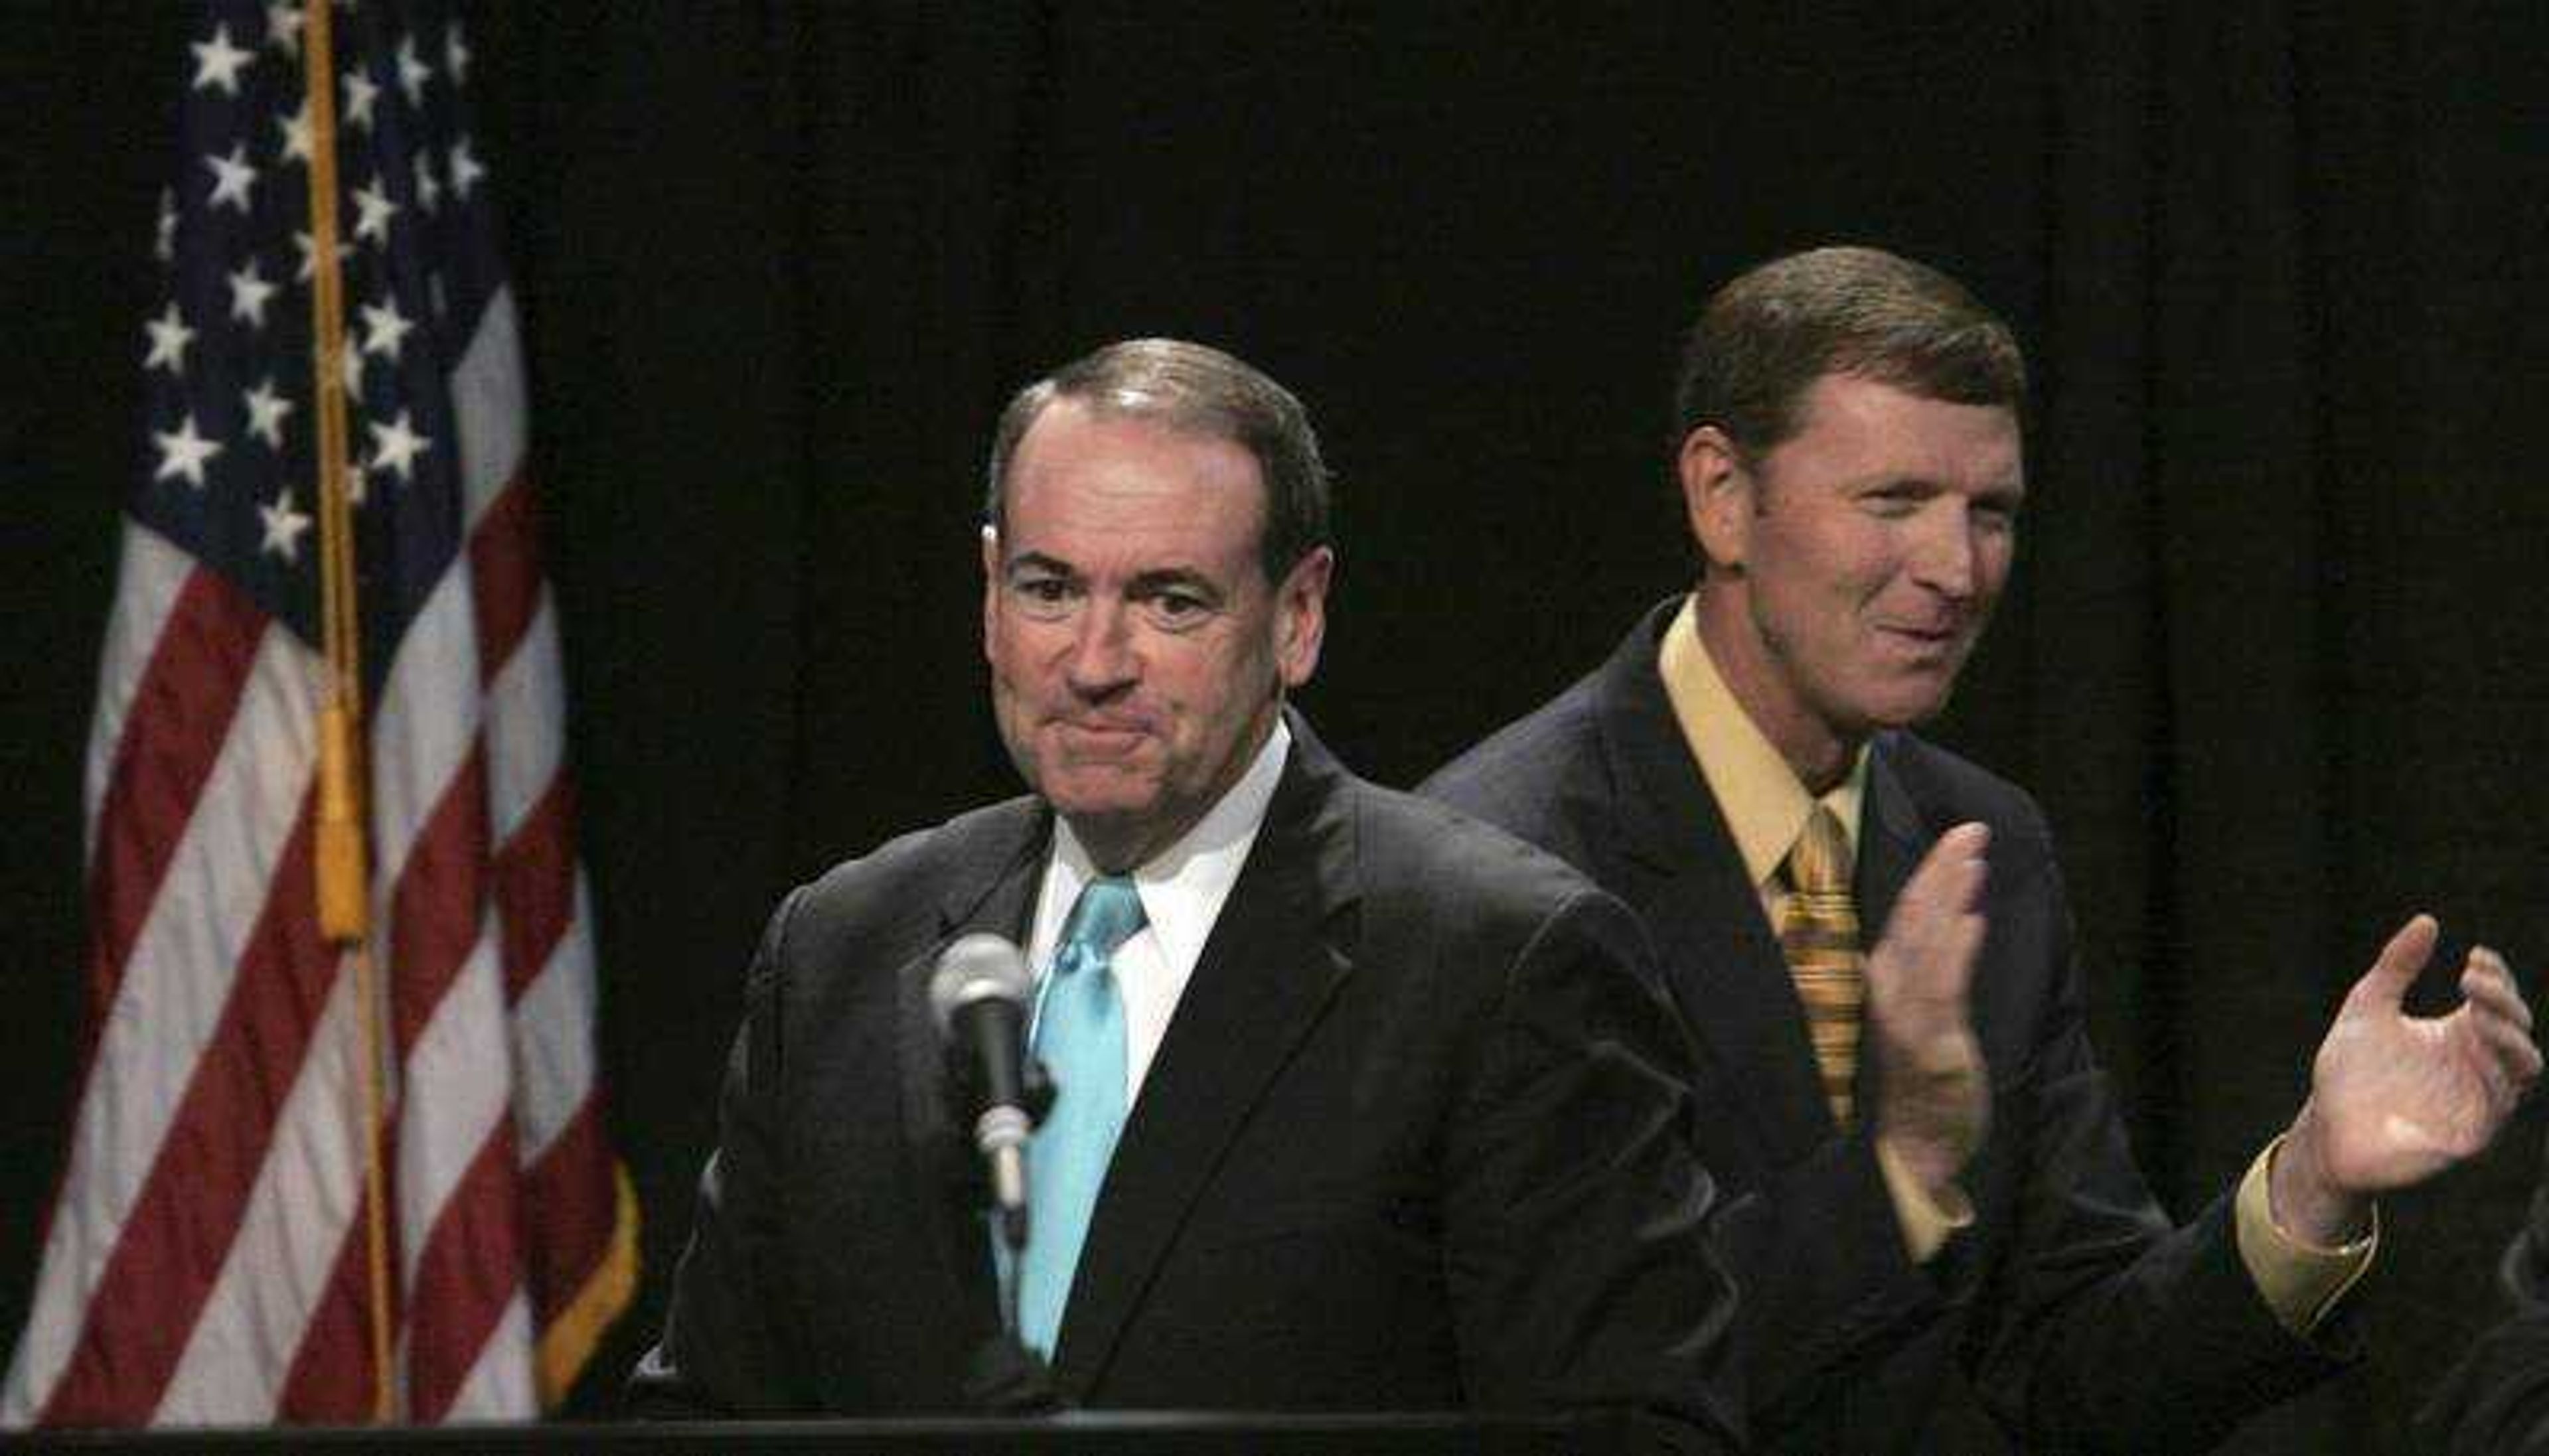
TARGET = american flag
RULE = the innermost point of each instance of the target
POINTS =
(206, 1260)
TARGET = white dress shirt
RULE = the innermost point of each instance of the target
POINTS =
(1182, 888)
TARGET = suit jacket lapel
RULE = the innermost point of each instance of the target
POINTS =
(992, 888)
(1276, 957)
(1892, 838)
(1680, 870)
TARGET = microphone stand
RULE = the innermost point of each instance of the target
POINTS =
(1008, 1208)
(1006, 1377)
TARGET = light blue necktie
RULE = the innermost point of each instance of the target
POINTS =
(1079, 1035)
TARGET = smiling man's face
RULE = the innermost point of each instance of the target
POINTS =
(1855, 562)
(1138, 654)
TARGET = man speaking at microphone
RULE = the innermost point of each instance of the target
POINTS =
(1361, 1104)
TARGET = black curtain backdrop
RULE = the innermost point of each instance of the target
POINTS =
(2273, 658)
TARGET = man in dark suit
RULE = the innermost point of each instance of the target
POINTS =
(1384, 1108)
(2495, 1400)
(1927, 1164)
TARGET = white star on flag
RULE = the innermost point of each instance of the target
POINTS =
(183, 452)
(233, 177)
(456, 56)
(360, 92)
(266, 407)
(283, 21)
(249, 294)
(295, 134)
(429, 192)
(396, 446)
(283, 527)
(302, 240)
(377, 209)
(385, 327)
(169, 336)
(218, 61)
(412, 71)
(165, 247)
(352, 370)
(465, 170)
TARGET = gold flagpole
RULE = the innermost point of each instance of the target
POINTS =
(344, 880)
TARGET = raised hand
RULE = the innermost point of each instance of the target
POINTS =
(1933, 1101)
(2396, 1098)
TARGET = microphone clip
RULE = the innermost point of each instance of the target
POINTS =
(1035, 1086)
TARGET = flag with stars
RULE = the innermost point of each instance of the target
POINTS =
(205, 1260)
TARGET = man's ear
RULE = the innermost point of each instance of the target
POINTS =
(1716, 490)
(1301, 615)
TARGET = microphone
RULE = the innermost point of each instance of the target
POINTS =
(978, 995)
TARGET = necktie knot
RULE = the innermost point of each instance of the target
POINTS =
(1819, 864)
(1106, 916)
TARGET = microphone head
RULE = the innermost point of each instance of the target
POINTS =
(977, 967)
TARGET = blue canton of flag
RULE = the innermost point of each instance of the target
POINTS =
(232, 473)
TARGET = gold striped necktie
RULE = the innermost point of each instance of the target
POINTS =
(1818, 929)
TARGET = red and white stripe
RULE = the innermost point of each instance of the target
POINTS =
(206, 1260)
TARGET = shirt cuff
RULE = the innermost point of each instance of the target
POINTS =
(2301, 1282)
(1927, 1220)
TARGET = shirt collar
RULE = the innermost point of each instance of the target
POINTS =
(1765, 802)
(1183, 885)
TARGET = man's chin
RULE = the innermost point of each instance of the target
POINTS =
(1114, 803)
(1902, 700)
(1910, 708)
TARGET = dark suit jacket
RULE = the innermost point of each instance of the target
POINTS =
(1413, 1139)
(2496, 1402)
(2085, 1322)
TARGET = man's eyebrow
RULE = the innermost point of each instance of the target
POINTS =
(1897, 482)
(1036, 561)
(2007, 491)
(1164, 576)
